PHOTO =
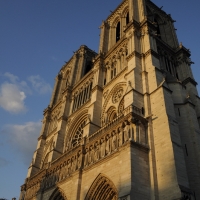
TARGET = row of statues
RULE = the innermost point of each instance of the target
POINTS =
(93, 152)
(108, 144)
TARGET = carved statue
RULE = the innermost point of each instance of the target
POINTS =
(107, 144)
(79, 159)
(96, 151)
(73, 164)
(126, 131)
(114, 140)
(120, 138)
(86, 157)
(102, 141)
(68, 171)
(91, 155)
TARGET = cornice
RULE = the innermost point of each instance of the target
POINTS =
(189, 80)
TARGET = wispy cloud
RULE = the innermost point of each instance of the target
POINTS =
(12, 98)
(13, 94)
(22, 139)
(14, 91)
(39, 84)
(22, 85)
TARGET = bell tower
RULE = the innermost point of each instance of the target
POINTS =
(123, 123)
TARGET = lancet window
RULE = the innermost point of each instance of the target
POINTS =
(167, 62)
(118, 32)
(127, 18)
(88, 67)
(82, 96)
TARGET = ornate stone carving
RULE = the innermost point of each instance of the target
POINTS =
(126, 131)
(102, 188)
(117, 95)
(114, 140)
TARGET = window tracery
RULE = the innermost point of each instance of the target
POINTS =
(117, 95)
(78, 134)
(81, 96)
(167, 62)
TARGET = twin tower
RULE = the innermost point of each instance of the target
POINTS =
(124, 123)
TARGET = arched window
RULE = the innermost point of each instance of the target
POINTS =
(111, 114)
(127, 18)
(78, 134)
(118, 32)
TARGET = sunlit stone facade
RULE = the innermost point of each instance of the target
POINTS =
(123, 123)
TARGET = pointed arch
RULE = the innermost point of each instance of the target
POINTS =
(114, 89)
(75, 130)
(45, 156)
(102, 188)
(125, 15)
(58, 194)
(111, 113)
(159, 23)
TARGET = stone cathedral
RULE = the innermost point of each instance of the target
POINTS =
(124, 123)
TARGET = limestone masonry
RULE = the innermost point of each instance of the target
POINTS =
(124, 123)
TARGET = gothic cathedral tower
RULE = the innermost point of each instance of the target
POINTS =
(123, 123)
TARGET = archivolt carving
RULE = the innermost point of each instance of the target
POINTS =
(116, 88)
(121, 107)
(111, 114)
(58, 194)
(117, 95)
(102, 188)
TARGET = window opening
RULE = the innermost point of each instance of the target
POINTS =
(143, 110)
(118, 32)
(157, 28)
(179, 113)
(127, 18)
(186, 151)
(88, 67)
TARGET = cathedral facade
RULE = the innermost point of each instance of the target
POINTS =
(123, 124)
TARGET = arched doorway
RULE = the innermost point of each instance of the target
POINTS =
(102, 189)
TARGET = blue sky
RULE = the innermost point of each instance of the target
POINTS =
(36, 38)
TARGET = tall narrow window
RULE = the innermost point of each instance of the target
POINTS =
(118, 32)
(88, 67)
(157, 28)
(127, 18)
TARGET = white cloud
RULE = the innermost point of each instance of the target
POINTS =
(22, 85)
(40, 85)
(12, 98)
(23, 139)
